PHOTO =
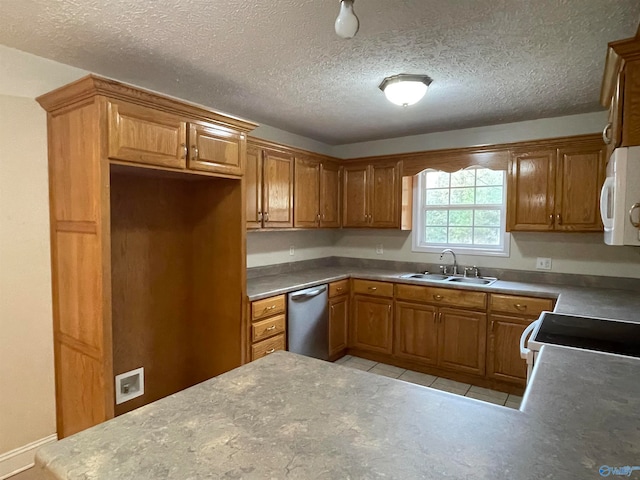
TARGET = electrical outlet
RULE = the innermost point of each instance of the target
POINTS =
(543, 263)
(292, 250)
(379, 249)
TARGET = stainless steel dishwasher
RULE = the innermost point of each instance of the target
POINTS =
(308, 318)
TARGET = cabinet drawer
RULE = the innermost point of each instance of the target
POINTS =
(520, 305)
(338, 288)
(442, 296)
(261, 349)
(268, 328)
(369, 287)
(267, 307)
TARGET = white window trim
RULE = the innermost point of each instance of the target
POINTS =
(464, 249)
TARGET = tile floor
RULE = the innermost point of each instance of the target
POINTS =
(451, 386)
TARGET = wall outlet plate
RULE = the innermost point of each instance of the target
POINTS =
(543, 263)
(292, 250)
(379, 249)
(129, 385)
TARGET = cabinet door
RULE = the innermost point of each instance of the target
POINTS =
(462, 339)
(531, 191)
(338, 324)
(503, 349)
(306, 193)
(145, 135)
(354, 196)
(579, 179)
(371, 324)
(416, 333)
(385, 190)
(253, 178)
(278, 190)
(215, 149)
(330, 195)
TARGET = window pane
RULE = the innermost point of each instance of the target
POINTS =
(487, 195)
(487, 218)
(437, 217)
(489, 177)
(463, 235)
(486, 236)
(462, 196)
(438, 197)
(461, 217)
(463, 178)
(436, 235)
(437, 180)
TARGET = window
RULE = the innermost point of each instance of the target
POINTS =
(465, 210)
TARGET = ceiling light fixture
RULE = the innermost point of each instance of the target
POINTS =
(405, 89)
(347, 23)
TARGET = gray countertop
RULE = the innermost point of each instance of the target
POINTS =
(288, 416)
(594, 302)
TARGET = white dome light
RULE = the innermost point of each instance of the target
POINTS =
(347, 23)
(404, 89)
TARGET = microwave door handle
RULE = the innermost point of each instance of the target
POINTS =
(605, 199)
(524, 351)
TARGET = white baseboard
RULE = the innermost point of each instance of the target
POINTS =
(20, 459)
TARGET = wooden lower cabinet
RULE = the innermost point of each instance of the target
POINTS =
(371, 324)
(264, 348)
(416, 333)
(462, 340)
(268, 329)
(503, 355)
(338, 325)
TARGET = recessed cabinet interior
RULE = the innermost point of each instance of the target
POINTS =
(316, 193)
(556, 189)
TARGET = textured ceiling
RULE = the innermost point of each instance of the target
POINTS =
(280, 63)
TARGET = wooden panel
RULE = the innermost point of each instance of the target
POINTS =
(529, 306)
(145, 135)
(531, 191)
(462, 340)
(253, 179)
(268, 306)
(631, 104)
(80, 391)
(338, 324)
(278, 190)
(306, 193)
(355, 209)
(216, 149)
(385, 195)
(264, 348)
(503, 350)
(338, 288)
(416, 333)
(580, 176)
(442, 296)
(330, 198)
(268, 327)
(371, 287)
(371, 324)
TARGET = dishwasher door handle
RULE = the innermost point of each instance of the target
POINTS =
(310, 294)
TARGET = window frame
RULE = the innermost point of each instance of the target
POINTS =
(419, 208)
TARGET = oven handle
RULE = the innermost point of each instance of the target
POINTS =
(524, 351)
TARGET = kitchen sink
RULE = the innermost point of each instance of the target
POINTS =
(474, 280)
(426, 276)
(436, 277)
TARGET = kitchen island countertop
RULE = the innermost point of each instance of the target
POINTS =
(288, 416)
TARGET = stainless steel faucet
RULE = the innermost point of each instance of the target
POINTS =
(445, 270)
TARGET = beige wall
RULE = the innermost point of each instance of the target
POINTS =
(268, 248)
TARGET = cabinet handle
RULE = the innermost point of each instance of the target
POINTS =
(605, 137)
(520, 306)
(373, 289)
(324, 217)
(266, 216)
(259, 216)
(339, 289)
(272, 327)
(389, 308)
(270, 351)
(435, 320)
(492, 323)
(551, 219)
(270, 307)
(559, 219)
(195, 152)
(438, 297)
(440, 317)
(633, 208)
(184, 150)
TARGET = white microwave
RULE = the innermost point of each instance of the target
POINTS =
(620, 198)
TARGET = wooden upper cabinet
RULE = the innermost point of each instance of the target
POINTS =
(330, 195)
(354, 196)
(462, 342)
(215, 149)
(277, 190)
(580, 175)
(307, 192)
(531, 190)
(146, 136)
(253, 179)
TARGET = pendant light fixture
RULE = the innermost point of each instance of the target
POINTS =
(347, 23)
(404, 89)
